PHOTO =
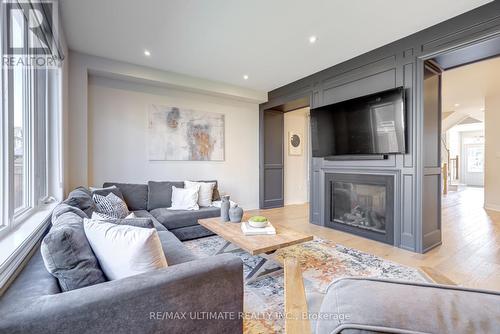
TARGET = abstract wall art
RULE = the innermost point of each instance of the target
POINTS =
(183, 134)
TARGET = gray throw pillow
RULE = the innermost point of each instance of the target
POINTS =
(135, 195)
(68, 256)
(160, 194)
(106, 191)
(111, 206)
(82, 199)
(63, 208)
(137, 222)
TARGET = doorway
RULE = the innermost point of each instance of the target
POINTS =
(469, 111)
(470, 100)
(296, 156)
(275, 148)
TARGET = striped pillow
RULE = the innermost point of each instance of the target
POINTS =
(111, 206)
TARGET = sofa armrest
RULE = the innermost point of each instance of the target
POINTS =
(204, 295)
(374, 305)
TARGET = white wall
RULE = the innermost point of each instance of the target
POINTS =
(296, 167)
(117, 124)
(82, 65)
(492, 153)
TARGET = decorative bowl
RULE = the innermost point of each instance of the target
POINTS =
(258, 221)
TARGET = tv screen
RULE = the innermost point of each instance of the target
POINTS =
(372, 124)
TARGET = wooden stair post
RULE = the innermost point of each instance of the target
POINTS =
(445, 178)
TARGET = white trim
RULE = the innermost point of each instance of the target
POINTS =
(15, 246)
(492, 207)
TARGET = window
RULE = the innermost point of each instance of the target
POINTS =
(19, 91)
(24, 127)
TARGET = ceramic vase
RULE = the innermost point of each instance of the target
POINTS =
(235, 214)
(224, 208)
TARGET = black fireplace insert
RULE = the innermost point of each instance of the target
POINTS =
(362, 204)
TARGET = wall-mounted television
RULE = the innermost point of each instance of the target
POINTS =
(371, 124)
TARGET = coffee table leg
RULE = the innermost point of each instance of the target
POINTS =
(260, 269)
(223, 248)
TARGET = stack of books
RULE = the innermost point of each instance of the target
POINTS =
(249, 230)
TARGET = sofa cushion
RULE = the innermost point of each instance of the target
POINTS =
(191, 232)
(160, 194)
(68, 256)
(374, 306)
(63, 208)
(82, 199)
(174, 250)
(135, 195)
(145, 222)
(173, 219)
(33, 281)
(146, 214)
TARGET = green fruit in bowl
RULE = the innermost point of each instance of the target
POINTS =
(258, 221)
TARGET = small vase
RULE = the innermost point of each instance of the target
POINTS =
(224, 208)
(235, 214)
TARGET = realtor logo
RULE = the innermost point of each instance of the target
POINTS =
(29, 34)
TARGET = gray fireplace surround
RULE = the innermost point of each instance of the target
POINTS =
(369, 193)
(361, 204)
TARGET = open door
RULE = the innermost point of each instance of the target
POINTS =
(271, 187)
(431, 157)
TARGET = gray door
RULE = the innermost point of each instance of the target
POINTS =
(431, 157)
(271, 190)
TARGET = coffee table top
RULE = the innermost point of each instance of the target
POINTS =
(255, 244)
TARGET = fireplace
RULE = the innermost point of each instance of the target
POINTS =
(361, 204)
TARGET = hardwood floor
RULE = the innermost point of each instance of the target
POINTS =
(469, 255)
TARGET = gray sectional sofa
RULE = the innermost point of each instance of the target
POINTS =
(161, 301)
(153, 199)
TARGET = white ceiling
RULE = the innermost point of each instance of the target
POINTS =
(222, 40)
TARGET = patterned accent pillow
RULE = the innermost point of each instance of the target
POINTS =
(111, 206)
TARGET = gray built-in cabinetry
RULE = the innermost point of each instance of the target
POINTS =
(417, 174)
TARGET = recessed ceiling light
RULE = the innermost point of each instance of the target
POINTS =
(147, 53)
(245, 77)
(313, 39)
(457, 105)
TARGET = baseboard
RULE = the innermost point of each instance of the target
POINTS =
(492, 207)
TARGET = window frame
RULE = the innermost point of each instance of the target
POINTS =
(35, 109)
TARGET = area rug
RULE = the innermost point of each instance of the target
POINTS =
(322, 262)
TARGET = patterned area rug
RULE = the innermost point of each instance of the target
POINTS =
(322, 262)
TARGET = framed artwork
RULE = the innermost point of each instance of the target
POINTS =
(294, 143)
(176, 133)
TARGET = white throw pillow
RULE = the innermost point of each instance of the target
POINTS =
(124, 250)
(204, 194)
(185, 199)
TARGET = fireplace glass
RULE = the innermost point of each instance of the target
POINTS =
(360, 205)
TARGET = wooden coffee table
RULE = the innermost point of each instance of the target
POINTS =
(261, 245)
